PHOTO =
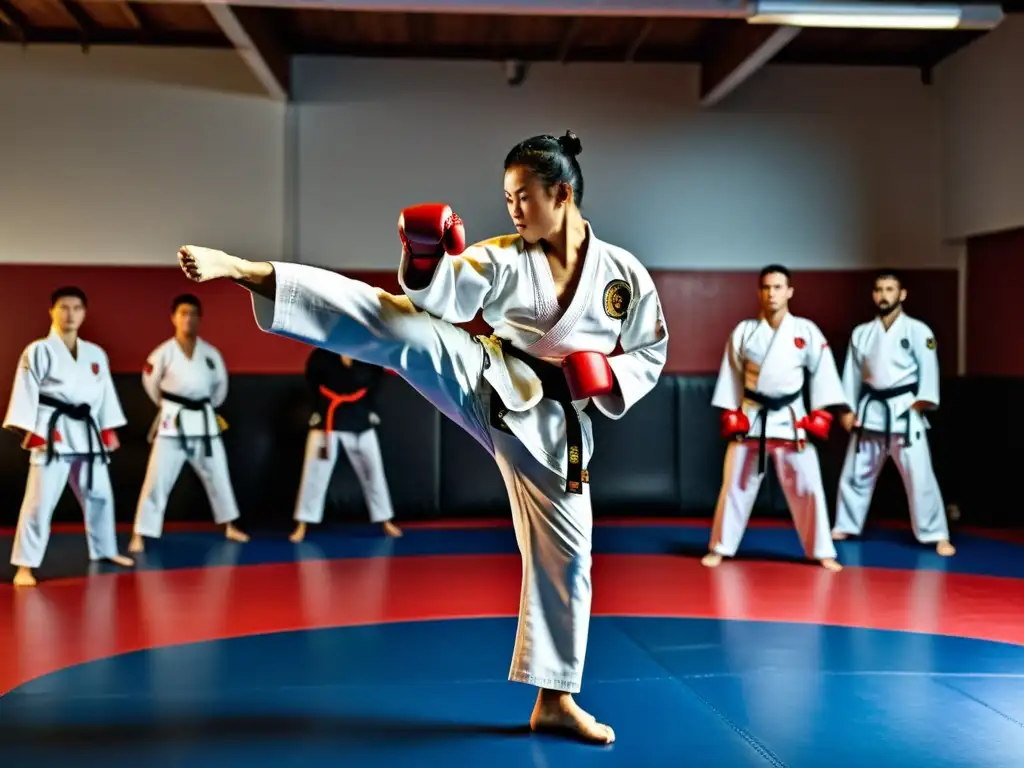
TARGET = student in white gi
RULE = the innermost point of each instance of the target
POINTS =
(344, 395)
(66, 409)
(559, 300)
(892, 375)
(187, 380)
(760, 389)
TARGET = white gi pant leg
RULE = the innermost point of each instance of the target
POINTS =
(316, 476)
(799, 475)
(43, 489)
(166, 459)
(445, 365)
(363, 451)
(861, 469)
(554, 531)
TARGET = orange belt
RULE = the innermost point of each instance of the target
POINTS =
(337, 400)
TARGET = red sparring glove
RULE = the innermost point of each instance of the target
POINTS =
(33, 440)
(110, 440)
(735, 424)
(430, 230)
(588, 375)
(817, 423)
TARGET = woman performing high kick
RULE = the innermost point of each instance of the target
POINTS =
(560, 301)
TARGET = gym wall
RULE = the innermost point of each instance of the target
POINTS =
(124, 155)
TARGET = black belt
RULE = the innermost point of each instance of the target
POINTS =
(556, 388)
(872, 395)
(192, 405)
(767, 404)
(80, 412)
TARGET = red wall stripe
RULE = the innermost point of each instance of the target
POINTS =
(129, 310)
(995, 271)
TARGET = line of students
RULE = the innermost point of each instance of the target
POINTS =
(64, 405)
(890, 380)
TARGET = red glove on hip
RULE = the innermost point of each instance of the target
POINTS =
(735, 424)
(588, 375)
(817, 423)
(430, 230)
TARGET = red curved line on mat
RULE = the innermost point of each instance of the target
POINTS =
(61, 624)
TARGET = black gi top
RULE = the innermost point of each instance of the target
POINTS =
(343, 396)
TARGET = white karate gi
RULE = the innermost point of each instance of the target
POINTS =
(179, 433)
(616, 301)
(902, 360)
(47, 369)
(774, 363)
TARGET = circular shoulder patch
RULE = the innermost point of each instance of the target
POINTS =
(930, 343)
(616, 299)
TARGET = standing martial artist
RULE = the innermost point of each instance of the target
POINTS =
(344, 393)
(892, 374)
(187, 380)
(576, 320)
(65, 406)
(760, 389)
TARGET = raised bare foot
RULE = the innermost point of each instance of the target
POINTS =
(391, 529)
(945, 549)
(23, 578)
(136, 545)
(299, 534)
(839, 536)
(831, 564)
(234, 534)
(711, 560)
(561, 714)
(202, 264)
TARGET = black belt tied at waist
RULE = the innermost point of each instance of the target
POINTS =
(768, 404)
(556, 388)
(192, 405)
(80, 412)
(871, 395)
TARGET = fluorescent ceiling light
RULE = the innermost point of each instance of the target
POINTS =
(877, 15)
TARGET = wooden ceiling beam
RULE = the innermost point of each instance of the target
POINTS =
(10, 16)
(253, 36)
(743, 50)
(84, 22)
(708, 9)
(639, 40)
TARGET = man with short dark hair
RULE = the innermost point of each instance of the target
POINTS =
(760, 391)
(186, 378)
(891, 375)
(66, 408)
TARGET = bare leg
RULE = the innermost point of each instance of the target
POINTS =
(299, 534)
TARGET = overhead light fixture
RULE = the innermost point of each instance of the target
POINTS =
(874, 15)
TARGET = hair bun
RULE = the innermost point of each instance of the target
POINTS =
(571, 143)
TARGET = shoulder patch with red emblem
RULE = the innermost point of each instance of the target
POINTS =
(147, 368)
(96, 369)
(800, 343)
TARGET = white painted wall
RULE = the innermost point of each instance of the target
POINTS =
(817, 168)
(982, 92)
(120, 156)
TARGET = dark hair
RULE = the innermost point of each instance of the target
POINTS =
(188, 299)
(552, 160)
(888, 274)
(68, 291)
(777, 269)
